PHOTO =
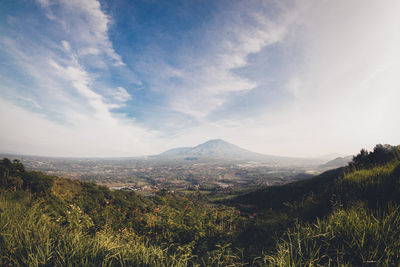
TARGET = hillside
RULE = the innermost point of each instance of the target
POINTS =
(339, 205)
(77, 223)
(336, 163)
(348, 216)
(278, 197)
(327, 186)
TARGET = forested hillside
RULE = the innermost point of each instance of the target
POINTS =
(346, 216)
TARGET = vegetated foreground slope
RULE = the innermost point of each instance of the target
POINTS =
(346, 216)
(46, 220)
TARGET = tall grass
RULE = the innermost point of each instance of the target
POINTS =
(374, 175)
(30, 237)
(378, 185)
(360, 226)
(363, 230)
(354, 237)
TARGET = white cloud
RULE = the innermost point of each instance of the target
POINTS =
(208, 80)
(43, 3)
(35, 134)
(121, 95)
(294, 86)
(344, 86)
(73, 118)
(66, 46)
(85, 24)
(30, 101)
(343, 90)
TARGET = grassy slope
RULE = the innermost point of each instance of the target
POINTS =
(363, 230)
(278, 197)
(30, 237)
(46, 220)
(343, 217)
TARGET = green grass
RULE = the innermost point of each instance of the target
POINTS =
(44, 232)
(354, 237)
(374, 175)
(30, 237)
(344, 217)
(363, 228)
(377, 186)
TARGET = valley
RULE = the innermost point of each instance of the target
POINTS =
(214, 166)
(321, 220)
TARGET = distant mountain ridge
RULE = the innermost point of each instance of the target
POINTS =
(223, 150)
(336, 163)
(216, 148)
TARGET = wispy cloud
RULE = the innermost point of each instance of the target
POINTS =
(318, 76)
(341, 90)
(208, 79)
(85, 24)
(72, 112)
(35, 134)
(121, 95)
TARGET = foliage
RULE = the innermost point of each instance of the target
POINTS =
(29, 237)
(377, 186)
(380, 155)
(73, 218)
(353, 237)
(348, 216)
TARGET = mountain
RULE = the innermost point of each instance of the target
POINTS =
(222, 150)
(336, 163)
(330, 156)
(216, 148)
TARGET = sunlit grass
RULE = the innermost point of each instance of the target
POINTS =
(30, 237)
(353, 237)
(374, 175)
(346, 220)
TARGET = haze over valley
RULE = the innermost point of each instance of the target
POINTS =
(213, 165)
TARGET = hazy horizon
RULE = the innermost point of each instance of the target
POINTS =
(132, 78)
(327, 156)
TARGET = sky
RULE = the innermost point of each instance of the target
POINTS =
(89, 78)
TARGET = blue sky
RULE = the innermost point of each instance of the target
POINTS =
(126, 78)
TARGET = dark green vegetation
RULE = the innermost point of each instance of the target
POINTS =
(348, 216)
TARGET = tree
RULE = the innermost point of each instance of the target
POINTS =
(5, 167)
(380, 155)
